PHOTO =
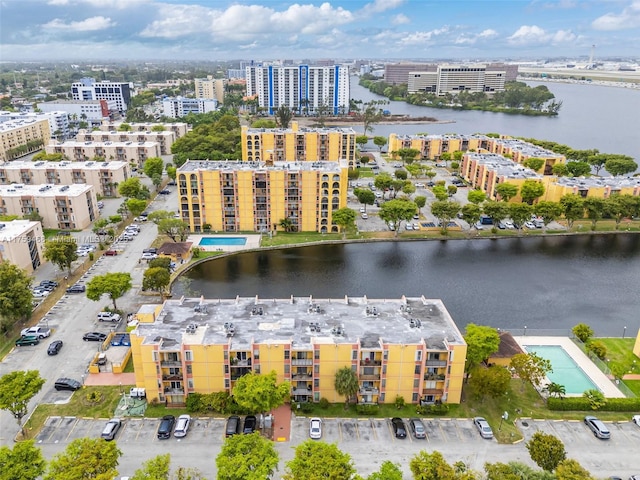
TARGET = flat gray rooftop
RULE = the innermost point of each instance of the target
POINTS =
(303, 321)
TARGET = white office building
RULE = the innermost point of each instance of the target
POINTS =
(90, 111)
(118, 92)
(302, 88)
(179, 106)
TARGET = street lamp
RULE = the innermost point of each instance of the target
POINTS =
(525, 330)
(624, 331)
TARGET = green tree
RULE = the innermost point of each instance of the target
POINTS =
(408, 188)
(530, 368)
(23, 462)
(156, 179)
(431, 466)
(90, 458)
(569, 469)
(596, 398)
(534, 164)
(560, 170)
(371, 114)
(365, 196)
(578, 169)
(15, 295)
(471, 213)
(555, 390)
(506, 191)
(414, 169)
(489, 381)
(135, 206)
(498, 211)
(572, 208)
(452, 190)
(476, 196)
(594, 207)
(156, 468)
(346, 384)
(383, 182)
(156, 279)
(445, 212)
(153, 166)
(125, 127)
(247, 457)
(174, 228)
(286, 224)
(283, 116)
(380, 142)
(159, 215)
(598, 348)
(520, 213)
(482, 342)
(171, 172)
(546, 451)
(114, 284)
(440, 193)
(318, 461)
(408, 155)
(420, 201)
(16, 391)
(388, 471)
(130, 188)
(362, 140)
(531, 190)
(583, 332)
(400, 174)
(549, 211)
(345, 218)
(61, 251)
(260, 393)
(620, 165)
(161, 262)
(621, 206)
(394, 211)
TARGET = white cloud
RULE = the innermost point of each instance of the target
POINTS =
(555, 5)
(379, 6)
(180, 21)
(421, 38)
(58, 3)
(471, 39)
(87, 25)
(534, 35)
(628, 18)
(114, 4)
(400, 19)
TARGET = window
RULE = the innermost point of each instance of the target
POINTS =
(416, 383)
(226, 355)
(188, 356)
(316, 354)
(417, 370)
(287, 369)
(354, 355)
(226, 369)
(256, 354)
(316, 383)
(286, 354)
(385, 355)
(381, 398)
(414, 397)
(316, 396)
(354, 368)
(189, 370)
(226, 383)
(190, 383)
(383, 384)
(418, 355)
(155, 355)
(256, 369)
(316, 369)
(384, 369)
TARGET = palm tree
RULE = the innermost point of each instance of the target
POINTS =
(286, 224)
(555, 390)
(346, 383)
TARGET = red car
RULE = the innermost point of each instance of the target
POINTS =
(111, 253)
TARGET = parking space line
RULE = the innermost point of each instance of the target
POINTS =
(357, 430)
(373, 429)
(340, 428)
(71, 429)
(393, 435)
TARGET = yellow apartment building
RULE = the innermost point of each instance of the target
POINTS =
(104, 176)
(408, 347)
(132, 152)
(65, 207)
(21, 243)
(180, 129)
(212, 88)
(299, 144)
(598, 187)
(17, 133)
(164, 138)
(235, 196)
(519, 151)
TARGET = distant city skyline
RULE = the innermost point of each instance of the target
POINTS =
(210, 30)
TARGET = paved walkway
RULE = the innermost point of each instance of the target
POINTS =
(282, 423)
(105, 378)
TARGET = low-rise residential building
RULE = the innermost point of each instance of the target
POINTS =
(164, 138)
(407, 347)
(104, 176)
(299, 144)
(132, 152)
(21, 244)
(65, 207)
(180, 129)
(597, 187)
(236, 196)
(519, 151)
(90, 111)
(180, 106)
(58, 120)
(24, 136)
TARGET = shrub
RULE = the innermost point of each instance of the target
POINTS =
(194, 402)
(596, 398)
(195, 252)
(324, 403)
(598, 348)
(399, 402)
(435, 409)
(306, 407)
(583, 332)
(367, 409)
(582, 404)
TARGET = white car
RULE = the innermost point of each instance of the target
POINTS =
(315, 428)
(40, 332)
(148, 256)
(530, 225)
(636, 419)
(82, 253)
(364, 216)
(408, 226)
(182, 426)
(419, 185)
(363, 209)
(39, 293)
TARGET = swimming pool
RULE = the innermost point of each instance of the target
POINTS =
(565, 370)
(222, 241)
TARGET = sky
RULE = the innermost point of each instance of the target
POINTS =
(214, 30)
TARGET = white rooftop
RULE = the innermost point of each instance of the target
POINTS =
(74, 143)
(231, 165)
(9, 231)
(65, 165)
(44, 190)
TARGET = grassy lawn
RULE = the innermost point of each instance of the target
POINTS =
(282, 238)
(202, 255)
(620, 354)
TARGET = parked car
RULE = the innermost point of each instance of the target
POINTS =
(48, 283)
(164, 192)
(182, 426)
(82, 253)
(399, 430)
(108, 317)
(233, 426)
(150, 250)
(111, 253)
(126, 237)
(40, 332)
(249, 424)
(315, 428)
(166, 427)
(148, 256)
(110, 429)
(417, 428)
(431, 184)
(172, 183)
(636, 419)
(483, 427)
(420, 185)
(76, 289)
(364, 216)
(94, 337)
(39, 293)
(67, 384)
(28, 340)
(598, 428)
(116, 340)
(530, 225)
(54, 347)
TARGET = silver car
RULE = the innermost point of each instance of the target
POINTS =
(111, 428)
(182, 426)
(315, 428)
(483, 427)
(598, 428)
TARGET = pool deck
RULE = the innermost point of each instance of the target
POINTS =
(588, 367)
(253, 241)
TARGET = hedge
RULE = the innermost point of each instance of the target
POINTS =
(582, 404)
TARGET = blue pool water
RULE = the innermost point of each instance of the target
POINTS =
(219, 241)
(565, 370)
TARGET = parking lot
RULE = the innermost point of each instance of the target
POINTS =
(575, 434)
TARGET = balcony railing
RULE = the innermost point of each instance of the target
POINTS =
(368, 391)
(302, 376)
(435, 376)
(172, 377)
(375, 376)
(371, 363)
(174, 391)
(432, 391)
(302, 362)
(170, 363)
(301, 391)
(436, 363)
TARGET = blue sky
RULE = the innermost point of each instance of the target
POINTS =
(337, 29)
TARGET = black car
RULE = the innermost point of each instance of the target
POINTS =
(399, 429)
(27, 340)
(249, 424)
(166, 427)
(48, 283)
(164, 192)
(94, 337)
(172, 183)
(54, 347)
(76, 289)
(67, 384)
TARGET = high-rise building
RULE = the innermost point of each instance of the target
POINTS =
(210, 88)
(118, 92)
(236, 196)
(179, 106)
(302, 88)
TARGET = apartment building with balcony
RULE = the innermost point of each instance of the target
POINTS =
(104, 176)
(409, 347)
(178, 107)
(64, 207)
(180, 129)
(519, 151)
(164, 138)
(211, 88)
(236, 196)
(21, 243)
(131, 152)
(23, 136)
(299, 144)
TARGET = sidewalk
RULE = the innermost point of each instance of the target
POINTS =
(282, 423)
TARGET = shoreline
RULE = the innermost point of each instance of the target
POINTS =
(312, 122)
